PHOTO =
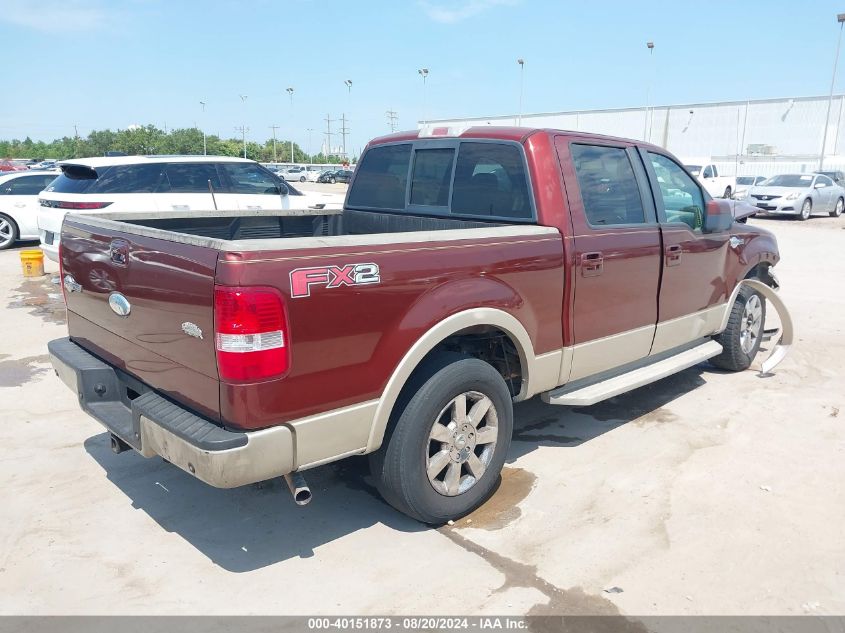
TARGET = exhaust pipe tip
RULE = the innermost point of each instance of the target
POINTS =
(298, 488)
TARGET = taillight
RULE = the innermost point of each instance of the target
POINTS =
(82, 205)
(250, 333)
(62, 274)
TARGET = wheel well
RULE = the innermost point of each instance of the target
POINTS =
(490, 344)
(761, 272)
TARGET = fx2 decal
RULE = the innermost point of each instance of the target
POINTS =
(302, 279)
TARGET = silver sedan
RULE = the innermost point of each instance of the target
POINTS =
(801, 195)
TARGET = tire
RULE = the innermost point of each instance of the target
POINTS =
(741, 339)
(332, 180)
(413, 448)
(806, 210)
(727, 193)
(8, 232)
(837, 210)
(302, 179)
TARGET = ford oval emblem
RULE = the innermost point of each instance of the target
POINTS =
(119, 304)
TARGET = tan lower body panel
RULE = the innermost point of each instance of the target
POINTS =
(690, 327)
(596, 356)
(328, 436)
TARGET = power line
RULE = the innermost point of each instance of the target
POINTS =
(243, 130)
(343, 132)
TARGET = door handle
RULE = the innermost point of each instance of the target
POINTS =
(20, 205)
(181, 207)
(592, 264)
(673, 255)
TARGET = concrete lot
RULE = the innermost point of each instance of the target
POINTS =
(703, 493)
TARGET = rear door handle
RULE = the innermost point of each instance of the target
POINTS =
(673, 255)
(181, 207)
(592, 264)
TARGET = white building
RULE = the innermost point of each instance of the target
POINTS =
(757, 136)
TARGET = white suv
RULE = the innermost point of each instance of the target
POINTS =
(164, 183)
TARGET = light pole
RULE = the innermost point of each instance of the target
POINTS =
(310, 158)
(204, 146)
(243, 127)
(424, 73)
(521, 63)
(840, 17)
(290, 94)
(650, 46)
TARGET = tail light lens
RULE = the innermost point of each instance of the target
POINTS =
(62, 274)
(61, 204)
(250, 333)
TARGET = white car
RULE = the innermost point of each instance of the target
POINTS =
(708, 175)
(744, 183)
(164, 183)
(799, 195)
(19, 204)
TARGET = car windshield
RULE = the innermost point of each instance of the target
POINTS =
(788, 180)
(693, 169)
(745, 180)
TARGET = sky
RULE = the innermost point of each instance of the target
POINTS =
(103, 64)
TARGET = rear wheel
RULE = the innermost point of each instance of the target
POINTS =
(302, 179)
(727, 193)
(806, 210)
(8, 232)
(741, 339)
(446, 445)
(332, 180)
(837, 210)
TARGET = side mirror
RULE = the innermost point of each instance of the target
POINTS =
(718, 216)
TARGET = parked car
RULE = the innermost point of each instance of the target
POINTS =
(800, 195)
(716, 185)
(295, 173)
(19, 204)
(10, 165)
(508, 263)
(326, 176)
(836, 176)
(743, 183)
(168, 183)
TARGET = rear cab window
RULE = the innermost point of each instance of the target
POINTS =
(476, 179)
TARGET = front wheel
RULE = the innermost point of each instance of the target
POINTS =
(837, 210)
(741, 339)
(727, 193)
(8, 232)
(302, 179)
(447, 441)
(332, 180)
(806, 210)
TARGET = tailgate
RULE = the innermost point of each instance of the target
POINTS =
(166, 339)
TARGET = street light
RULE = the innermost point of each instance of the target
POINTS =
(424, 73)
(204, 146)
(521, 63)
(348, 83)
(290, 93)
(840, 17)
(650, 46)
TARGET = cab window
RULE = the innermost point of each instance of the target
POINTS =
(682, 197)
(608, 185)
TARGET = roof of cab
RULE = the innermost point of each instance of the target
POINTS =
(502, 133)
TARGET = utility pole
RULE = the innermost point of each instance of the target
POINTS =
(343, 132)
(274, 127)
(423, 72)
(75, 140)
(204, 145)
(243, 130)
(329, 122)
(310, 157)
(841, 19)
(392, 119)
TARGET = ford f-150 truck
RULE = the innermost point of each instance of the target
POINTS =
(468, 269)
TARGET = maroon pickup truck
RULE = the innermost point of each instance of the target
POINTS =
(469, 269)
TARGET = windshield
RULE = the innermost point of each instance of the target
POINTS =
(788, 180)
(695, 170)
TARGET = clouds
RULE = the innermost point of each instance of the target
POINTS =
(452, 12)
(55, 16)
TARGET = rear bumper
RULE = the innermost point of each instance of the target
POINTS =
(153, 425)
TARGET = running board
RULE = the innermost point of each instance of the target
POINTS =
(609, 387)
